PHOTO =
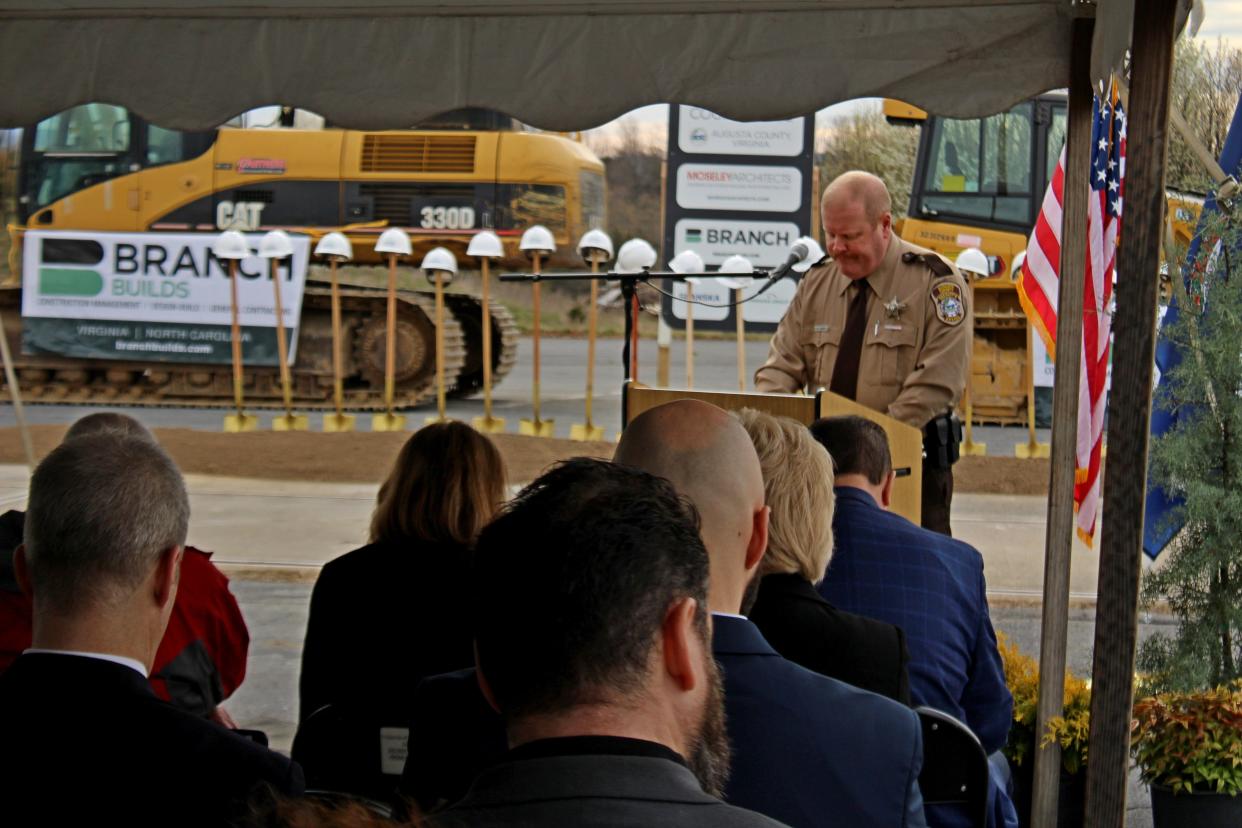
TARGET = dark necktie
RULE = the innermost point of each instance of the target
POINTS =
(845, 369)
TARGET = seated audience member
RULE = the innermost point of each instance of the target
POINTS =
(791, 615)
(929, 584)
(384, 616)
(85, 739)
(807, 749)
(592, 639)
(202, 657)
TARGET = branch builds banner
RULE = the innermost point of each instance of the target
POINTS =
(159, 297)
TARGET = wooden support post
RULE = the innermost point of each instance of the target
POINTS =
(1129, 419)
(1059, 540)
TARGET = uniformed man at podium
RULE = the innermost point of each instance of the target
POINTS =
(882, 322)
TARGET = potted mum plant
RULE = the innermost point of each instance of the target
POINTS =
(1070, 730)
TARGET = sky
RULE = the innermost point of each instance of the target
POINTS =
(1223, 19)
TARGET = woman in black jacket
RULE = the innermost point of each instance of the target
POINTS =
(787, 609)
(387, 615)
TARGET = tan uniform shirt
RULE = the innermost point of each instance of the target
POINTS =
(916, 349)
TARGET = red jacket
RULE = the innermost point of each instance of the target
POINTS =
(202, 657)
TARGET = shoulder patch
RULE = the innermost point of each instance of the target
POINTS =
(949, 302)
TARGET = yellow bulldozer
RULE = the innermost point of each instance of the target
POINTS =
(980, 183)
(99, 167)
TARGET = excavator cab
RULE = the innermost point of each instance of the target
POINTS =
(90, 144)
(979, 183)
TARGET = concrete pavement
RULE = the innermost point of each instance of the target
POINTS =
(286, 530)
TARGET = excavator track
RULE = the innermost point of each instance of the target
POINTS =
(469, 312)
(50, 379)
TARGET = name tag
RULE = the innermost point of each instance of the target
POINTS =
(893, 327)
(394, 745)
(821, 328)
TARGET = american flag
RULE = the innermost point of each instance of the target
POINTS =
(1037, 289)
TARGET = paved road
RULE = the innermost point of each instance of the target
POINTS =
(563, 383)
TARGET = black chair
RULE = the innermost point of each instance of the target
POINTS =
(349, 752)
(955, 766)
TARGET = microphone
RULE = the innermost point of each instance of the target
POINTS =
(797, 254)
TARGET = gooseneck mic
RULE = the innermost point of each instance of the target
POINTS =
(797, 254)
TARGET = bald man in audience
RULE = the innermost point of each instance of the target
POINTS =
(807, 749)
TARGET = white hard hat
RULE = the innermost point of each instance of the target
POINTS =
(394, 240)
(439, 259)
(275, 245)
(687, 263)
(635, 256)
(973, 260)
(593, 243)
(485, 245)
(1018, 261)
(230, 245)
(538, 239)
(336, 246)
(813, 254)
(739, 268)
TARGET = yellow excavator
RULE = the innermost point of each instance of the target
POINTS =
(980, 183)
(100, 167)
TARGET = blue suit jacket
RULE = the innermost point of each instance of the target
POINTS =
(932, 587)
(810, 750)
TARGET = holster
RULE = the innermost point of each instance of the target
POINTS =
(942, 440)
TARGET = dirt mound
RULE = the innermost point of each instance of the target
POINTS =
(365, 457)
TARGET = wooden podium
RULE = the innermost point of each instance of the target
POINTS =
(905, 442)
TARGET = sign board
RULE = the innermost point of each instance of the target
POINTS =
(701, 131)
(765, 243)
(738, 187)
(153, 297)
(765, 309)
(735, 189)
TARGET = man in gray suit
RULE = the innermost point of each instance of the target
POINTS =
(592, 640)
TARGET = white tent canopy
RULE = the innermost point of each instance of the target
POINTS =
(556, 64)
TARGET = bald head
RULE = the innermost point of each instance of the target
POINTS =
(859, 187)
(109, 422)
(709, 458)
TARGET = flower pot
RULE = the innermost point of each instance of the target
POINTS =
(1071, 794)
(1198, 809)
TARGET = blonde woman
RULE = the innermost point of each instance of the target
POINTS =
(796, 621)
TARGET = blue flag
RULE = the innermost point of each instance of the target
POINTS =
(1158, 529)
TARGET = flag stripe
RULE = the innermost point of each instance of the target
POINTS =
(1038, 291)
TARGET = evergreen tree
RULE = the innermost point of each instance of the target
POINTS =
(1200, 459)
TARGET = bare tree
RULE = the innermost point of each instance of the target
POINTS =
(1206, 81)
(865, 140)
